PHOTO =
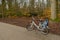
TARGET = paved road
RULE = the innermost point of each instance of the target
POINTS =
(11, 32)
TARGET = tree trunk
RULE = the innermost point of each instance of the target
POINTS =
(53, 9)
(3, 8)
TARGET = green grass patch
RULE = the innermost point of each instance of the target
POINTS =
(56, 20)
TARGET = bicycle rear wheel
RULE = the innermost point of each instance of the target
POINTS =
(29, 28)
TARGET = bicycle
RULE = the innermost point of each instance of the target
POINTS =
(33, 26)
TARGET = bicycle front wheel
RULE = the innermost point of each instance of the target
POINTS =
(46, 31)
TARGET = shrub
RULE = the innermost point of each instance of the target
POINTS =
(56, 20)
(19, 14)
(33, 14)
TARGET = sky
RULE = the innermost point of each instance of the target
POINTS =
(27, 1)
(0, 1)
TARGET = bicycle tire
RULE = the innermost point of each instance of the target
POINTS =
(46, 31)
(29, 28)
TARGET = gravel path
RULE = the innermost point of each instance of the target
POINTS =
(12, 32)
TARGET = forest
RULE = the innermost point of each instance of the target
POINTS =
(14, 8)
(27, 8)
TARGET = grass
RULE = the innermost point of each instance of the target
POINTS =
(56, 20)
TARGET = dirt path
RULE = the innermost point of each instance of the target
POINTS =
(11, 32)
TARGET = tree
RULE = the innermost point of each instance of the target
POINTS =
(17, 8)
(40, 8)
(31, 6)
(21, 3)
(16, 5)
(57, 8)
(9, 4)
(3, 7)
(48, 3)
(53, 9)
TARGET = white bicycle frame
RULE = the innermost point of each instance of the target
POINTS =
(39, 27)
(33, 23)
